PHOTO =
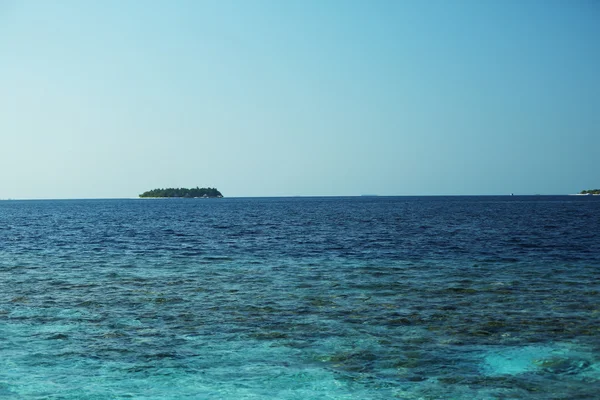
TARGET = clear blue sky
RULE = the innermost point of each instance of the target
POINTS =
(268, 98)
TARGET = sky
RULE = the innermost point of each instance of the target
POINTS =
(107, 99)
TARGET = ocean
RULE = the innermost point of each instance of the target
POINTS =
(301, 298)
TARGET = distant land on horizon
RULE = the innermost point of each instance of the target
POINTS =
(183, 192)
(590, 191)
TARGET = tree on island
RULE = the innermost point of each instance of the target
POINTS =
(591, 191)
(183, 192)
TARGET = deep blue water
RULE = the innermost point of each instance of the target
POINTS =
(301, 298)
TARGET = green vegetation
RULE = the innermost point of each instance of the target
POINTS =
(183, 192)
(591, 191)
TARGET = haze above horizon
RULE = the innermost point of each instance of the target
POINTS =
(268, 98)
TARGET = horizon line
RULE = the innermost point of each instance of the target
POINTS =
(293, 196)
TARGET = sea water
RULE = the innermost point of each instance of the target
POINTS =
(301, 298)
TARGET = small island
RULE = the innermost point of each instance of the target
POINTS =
(202, 193)
(591, 191)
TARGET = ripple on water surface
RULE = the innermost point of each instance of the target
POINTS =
(305, 299)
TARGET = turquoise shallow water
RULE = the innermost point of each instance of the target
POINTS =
(310, 298)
